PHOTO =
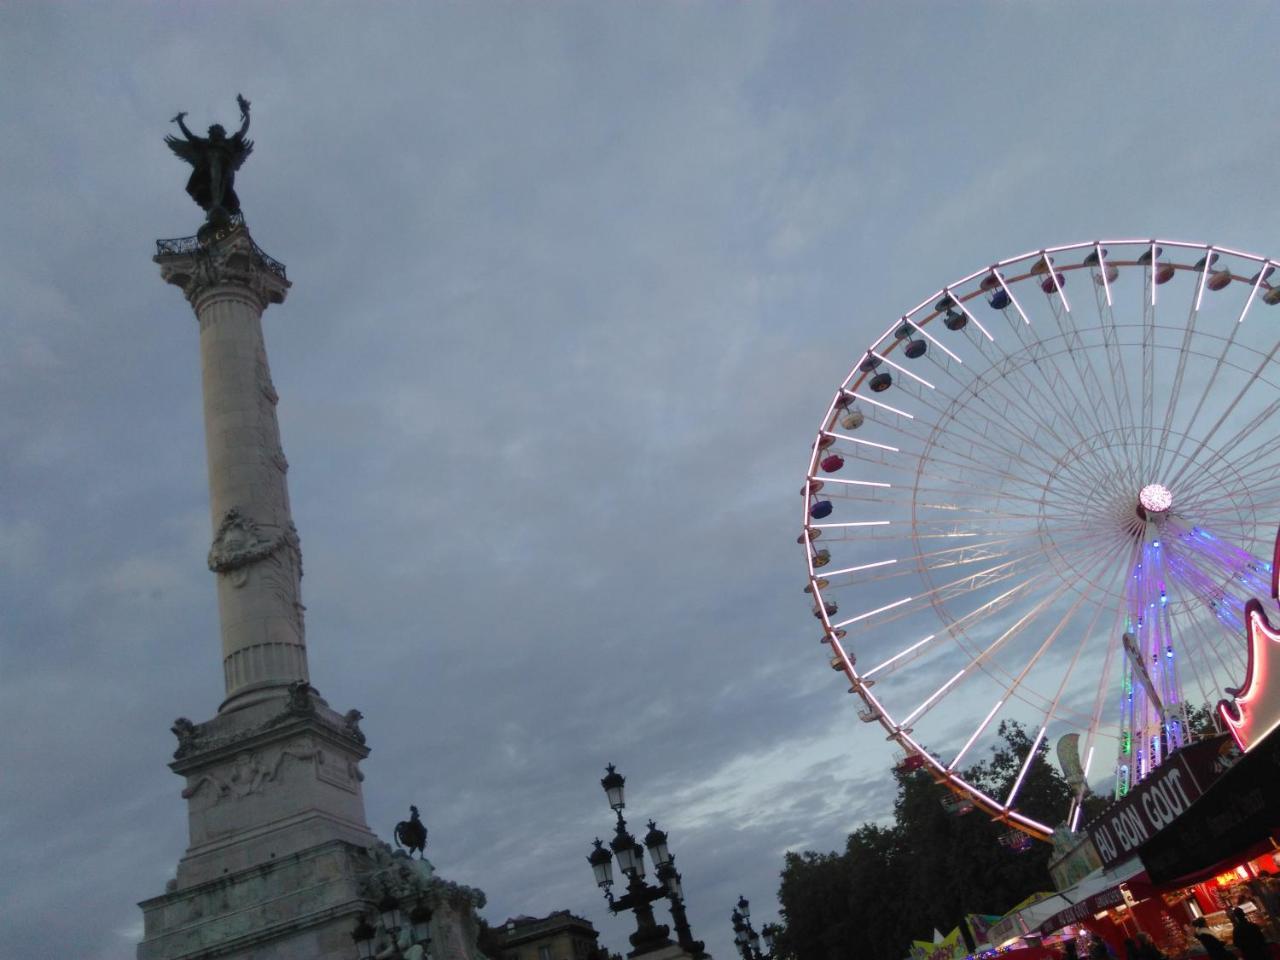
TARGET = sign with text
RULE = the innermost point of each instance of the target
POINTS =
(1235, 818)
(1164, 795)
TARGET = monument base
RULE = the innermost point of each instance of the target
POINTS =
(281, 863)
(304, 907)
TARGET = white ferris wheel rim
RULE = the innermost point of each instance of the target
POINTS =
(1150, 493)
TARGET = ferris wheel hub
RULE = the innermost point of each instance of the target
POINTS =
(1153, 500)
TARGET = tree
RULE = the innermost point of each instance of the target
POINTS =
(928, 870)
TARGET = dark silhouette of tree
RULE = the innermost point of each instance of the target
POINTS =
(895, 884)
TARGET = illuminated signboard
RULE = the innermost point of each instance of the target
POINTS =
(1254, 710)
(1163, 796)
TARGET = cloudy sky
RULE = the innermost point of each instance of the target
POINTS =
(573, 284)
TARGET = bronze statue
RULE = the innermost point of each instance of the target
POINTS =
(216, 159)
(412, 833)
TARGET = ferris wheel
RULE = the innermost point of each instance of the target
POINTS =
(1044, 494)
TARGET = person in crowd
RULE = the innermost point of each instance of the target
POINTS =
(1267, 895)
(1098, 950)
(1215, 948)
(1131, 949)
(1248, 939)
(1147, 949)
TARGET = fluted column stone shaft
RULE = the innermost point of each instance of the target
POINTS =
(255, 554)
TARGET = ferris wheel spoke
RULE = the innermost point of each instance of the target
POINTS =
(1102, 691)
(1249, 429)
(1204, 396)
(999, 417)
(1209, 692)
(1026, 765)
(1119, 377)
(1017, 681)
(1223, 511)
(987, 426)
(1211, 639)
(1225, 413)
(1103, 418)
(1211, 650)
(1263, 472)
(988, 575)
(958, 626)
(1264, 271)
(1052, 401)
(1175, 390)
(1050, 713)
(972, 462)
(1043, 416)
(983, 655)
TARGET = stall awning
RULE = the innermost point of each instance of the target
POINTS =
(1098, 891)
(1235, 817)
(1025, 918)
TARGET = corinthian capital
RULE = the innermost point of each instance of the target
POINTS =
(220, 259)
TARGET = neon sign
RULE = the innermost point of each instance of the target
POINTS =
(1254, 709)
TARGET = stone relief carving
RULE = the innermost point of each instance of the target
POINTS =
(250, 773)
(238, 542)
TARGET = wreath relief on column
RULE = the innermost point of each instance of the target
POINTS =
(239, 543)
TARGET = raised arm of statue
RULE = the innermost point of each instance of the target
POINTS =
(183, 127)
(244, 115)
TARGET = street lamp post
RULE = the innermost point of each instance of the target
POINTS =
(399, 940)
(650, 935)
(745, 937)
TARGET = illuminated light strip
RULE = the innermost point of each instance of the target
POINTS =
(903, 370)
(965, 310)
(924, 333)
(977, 733)
(865, 566)
(1241, 253)
(1254, 292)
(1204, 274)
(1056, 285)
(853, 483)
(898, 656)
(884, 406)
(852, 523)
(1075, 817)
(865, 443)
(991, 806)
(870, 613)
(1014, 300)
(1026, 765)
(1088, 761)
(1102, 263)
(932, 699)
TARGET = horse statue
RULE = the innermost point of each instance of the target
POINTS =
(412, 834)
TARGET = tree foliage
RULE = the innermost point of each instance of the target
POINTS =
(895, 884)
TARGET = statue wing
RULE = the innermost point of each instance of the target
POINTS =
(243, 149)
(185, 149)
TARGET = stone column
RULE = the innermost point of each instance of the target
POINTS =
(255, 554)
